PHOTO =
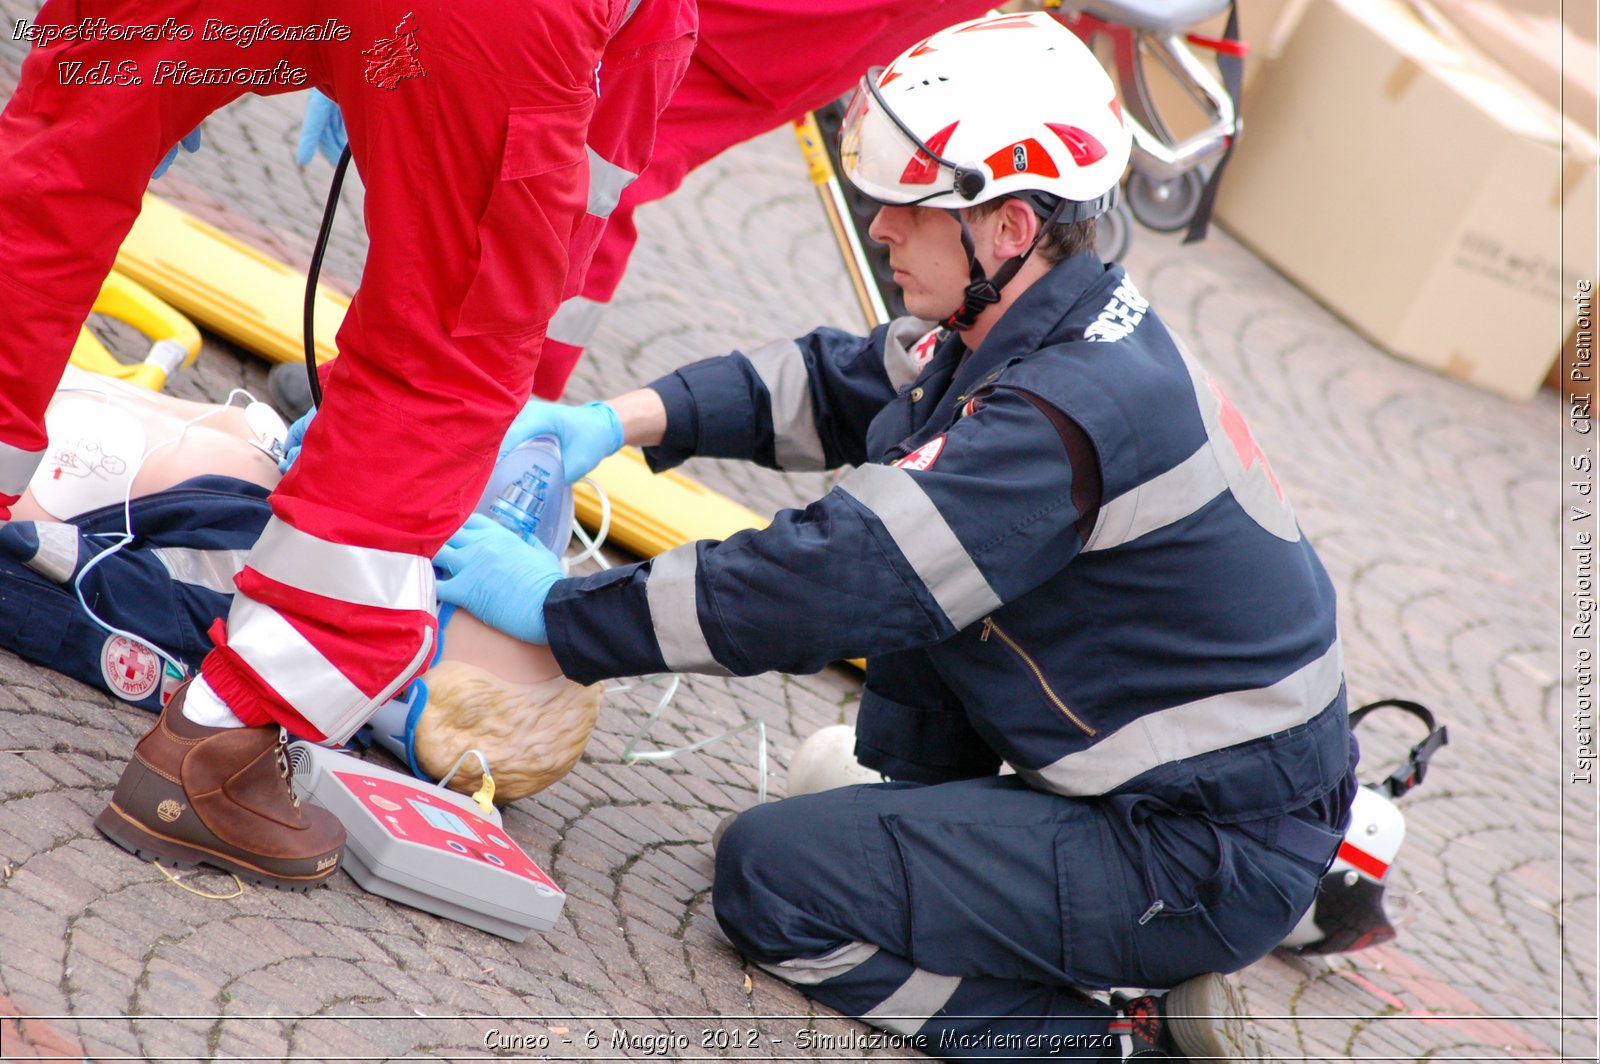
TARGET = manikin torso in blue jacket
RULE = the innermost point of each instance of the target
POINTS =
(1063, 550)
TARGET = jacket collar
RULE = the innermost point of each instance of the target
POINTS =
(1032, 319)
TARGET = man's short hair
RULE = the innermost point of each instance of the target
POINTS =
(1058, 242)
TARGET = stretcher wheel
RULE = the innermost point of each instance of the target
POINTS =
(1165, 206)
(1113, 233)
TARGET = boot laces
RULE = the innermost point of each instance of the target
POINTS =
(285, 769)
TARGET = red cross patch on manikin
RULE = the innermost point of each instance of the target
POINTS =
(1238, 433)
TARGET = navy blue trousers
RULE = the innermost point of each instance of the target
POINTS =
(968, 918)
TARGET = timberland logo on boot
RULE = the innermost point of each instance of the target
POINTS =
(169, 810)
(327, 863)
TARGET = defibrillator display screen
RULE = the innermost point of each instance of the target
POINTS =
(444, 820)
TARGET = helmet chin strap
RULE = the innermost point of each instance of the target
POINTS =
(983, 291)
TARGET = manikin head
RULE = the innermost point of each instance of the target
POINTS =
(989, 143)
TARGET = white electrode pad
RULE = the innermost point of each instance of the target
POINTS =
(268, 431)
(93, 452)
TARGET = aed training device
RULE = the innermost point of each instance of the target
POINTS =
(427, 847)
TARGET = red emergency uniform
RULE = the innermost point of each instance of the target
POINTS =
(759, 63)
(468, 122)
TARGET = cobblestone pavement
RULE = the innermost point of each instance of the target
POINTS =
(1436, 509)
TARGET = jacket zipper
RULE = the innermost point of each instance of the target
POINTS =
(989, 625)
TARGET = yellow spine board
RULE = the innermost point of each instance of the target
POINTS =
(227, 286)
(175, 340)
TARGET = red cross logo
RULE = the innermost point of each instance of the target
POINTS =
(1238, 433)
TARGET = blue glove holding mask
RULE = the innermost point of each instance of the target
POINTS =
(499, 579)
(588, 433)
(321, 130)
(190, 144)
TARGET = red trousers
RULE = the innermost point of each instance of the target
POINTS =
(759, 64)
(468, 122)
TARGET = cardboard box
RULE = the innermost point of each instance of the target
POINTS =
(1538, 50)
(1428, 203)
(1582, 16)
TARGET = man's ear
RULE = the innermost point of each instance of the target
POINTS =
(1016, 225)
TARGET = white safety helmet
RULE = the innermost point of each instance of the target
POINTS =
(1002, 105)
(1348, 912)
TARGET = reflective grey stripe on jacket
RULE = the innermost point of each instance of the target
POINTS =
(213, 570)
(1159, 501)
(16, 468)
(1199, 727)
(922, 534)
(57, 556)
(1213, 468)
(905, 1011)
(782, 369)
(670, 593)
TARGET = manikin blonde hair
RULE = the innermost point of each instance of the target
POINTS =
(531, 733)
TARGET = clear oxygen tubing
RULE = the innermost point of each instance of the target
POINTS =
(630, 752)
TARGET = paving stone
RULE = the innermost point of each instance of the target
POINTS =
(1430, 502)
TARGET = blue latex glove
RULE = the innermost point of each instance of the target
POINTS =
(295, 440)
(321, 130)
(587, 433)
(493, 575)
(190, 144)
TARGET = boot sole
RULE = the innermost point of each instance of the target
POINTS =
(148, 845)
(1207, 1020)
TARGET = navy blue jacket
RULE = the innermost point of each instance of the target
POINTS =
(167, 586)
(1063, 550)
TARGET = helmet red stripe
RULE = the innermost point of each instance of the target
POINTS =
(1363, 861)
(922, 170)
(1085, 149)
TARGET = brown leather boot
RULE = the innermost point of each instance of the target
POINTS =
(222, 797)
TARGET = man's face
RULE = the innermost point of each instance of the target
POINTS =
(929, 263)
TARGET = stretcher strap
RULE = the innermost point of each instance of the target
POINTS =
(1230, 64)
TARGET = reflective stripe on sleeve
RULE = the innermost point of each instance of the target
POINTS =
(16, 468)
(57, 556)
(782, 368)
(1159, 501)
(213, 570)
(809, 971)
(1194, 728)
(926, 539)
(670, 594)
(301, 675)
(362, 576)
(575, 321)
(607, 181)
(919, 997)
